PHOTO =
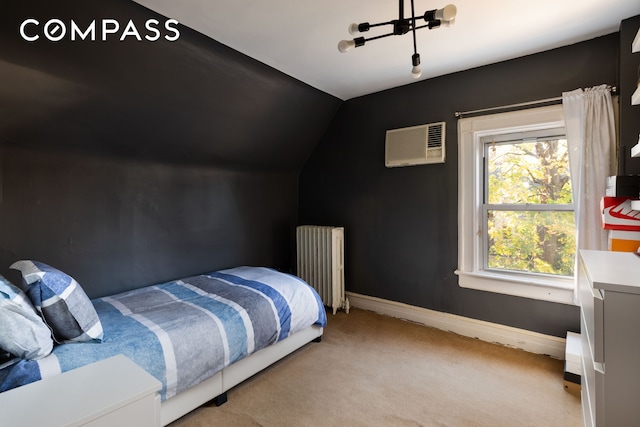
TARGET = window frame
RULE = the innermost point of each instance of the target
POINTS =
(471, 272)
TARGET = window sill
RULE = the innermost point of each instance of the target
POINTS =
(560, 291)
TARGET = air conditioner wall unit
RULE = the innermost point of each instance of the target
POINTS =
(416, 145)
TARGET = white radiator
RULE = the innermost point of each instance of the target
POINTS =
(321, 263)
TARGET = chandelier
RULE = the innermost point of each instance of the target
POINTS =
(433, 18)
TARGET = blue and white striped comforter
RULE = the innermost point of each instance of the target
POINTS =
(183, 332)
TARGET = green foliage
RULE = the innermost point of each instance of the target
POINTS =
(530, 175)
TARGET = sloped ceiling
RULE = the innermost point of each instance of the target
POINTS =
(300, 38)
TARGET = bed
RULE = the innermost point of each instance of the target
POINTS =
(199, 336)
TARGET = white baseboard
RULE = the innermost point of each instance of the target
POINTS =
(522, 339)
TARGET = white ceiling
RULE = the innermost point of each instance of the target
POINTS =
(300, 37)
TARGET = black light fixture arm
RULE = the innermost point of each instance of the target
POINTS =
(413, 28)
(433, 18)
(416, 71)
(365, 26)
(431, 25)
(375, 37)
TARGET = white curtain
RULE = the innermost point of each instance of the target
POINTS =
(591, 136)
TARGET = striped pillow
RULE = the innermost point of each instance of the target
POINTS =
(61, 301)
(22, 331)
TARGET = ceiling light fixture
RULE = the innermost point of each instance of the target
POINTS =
(433, 18)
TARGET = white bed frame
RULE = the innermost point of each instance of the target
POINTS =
(116, 391)
(215, 388)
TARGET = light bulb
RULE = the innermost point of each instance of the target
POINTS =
(448, 23)
(447, 13)
(353, 28)
(346, 45)
(416, 71)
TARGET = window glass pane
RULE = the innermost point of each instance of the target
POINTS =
(532, 241)
(534, 172)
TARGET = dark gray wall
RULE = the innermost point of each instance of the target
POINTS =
(129, 163)
(116, 224)
(193, 100)
(629, 82)
(401, 223)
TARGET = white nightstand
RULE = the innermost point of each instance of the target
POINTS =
(112, 392)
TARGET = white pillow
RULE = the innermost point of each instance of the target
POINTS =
(22, 331)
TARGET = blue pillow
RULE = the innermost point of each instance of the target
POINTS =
(61, 301)
(22, 331)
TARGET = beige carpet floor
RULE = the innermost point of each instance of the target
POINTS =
(373, 370)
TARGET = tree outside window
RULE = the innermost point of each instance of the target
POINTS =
(528, 206)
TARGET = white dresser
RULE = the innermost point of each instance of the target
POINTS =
(609, 284)
(112, 392)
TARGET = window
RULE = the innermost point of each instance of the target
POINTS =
(527, 212)
(516, 220)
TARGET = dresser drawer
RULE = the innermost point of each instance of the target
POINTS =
(592, 302)
(592, 380)
(588, 381)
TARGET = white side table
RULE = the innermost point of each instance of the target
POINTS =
(112, 392)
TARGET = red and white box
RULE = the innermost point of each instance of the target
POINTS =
(617, 214)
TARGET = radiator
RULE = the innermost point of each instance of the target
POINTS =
(321, 263)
